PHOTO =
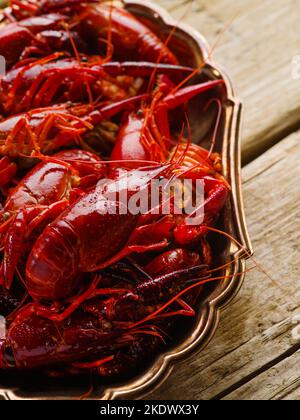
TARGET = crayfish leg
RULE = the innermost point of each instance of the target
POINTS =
(8, 170)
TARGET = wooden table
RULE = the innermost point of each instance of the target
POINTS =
(255, 353)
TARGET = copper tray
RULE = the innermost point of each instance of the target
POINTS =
(193, 50)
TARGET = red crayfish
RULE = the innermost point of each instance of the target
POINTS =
(85, 282)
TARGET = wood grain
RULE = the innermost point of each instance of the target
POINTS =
(282, 382)
(257, 50)
(255, 334)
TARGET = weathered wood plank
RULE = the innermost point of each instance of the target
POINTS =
(279, 383)
(256, 331)
(257, 51)
(294, 396)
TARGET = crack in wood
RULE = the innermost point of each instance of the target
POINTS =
(293, 386)
(290, 352)
(268, 142)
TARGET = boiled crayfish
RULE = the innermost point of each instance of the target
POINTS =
(86, 283)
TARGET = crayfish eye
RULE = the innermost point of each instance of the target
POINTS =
(9, 357)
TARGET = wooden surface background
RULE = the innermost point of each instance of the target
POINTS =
(255, 353)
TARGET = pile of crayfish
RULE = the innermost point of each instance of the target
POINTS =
(92, 95)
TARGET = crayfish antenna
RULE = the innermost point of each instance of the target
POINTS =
(166, 44)
(217, 125)
(78, 58)
(93, 365)
(152, 331)
(87, 394)
(196, 283)
(249, 255)
(154, 73)
(209, 55)
(177, 163)
(186, 311)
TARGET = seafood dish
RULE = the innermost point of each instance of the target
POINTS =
(96, 106)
